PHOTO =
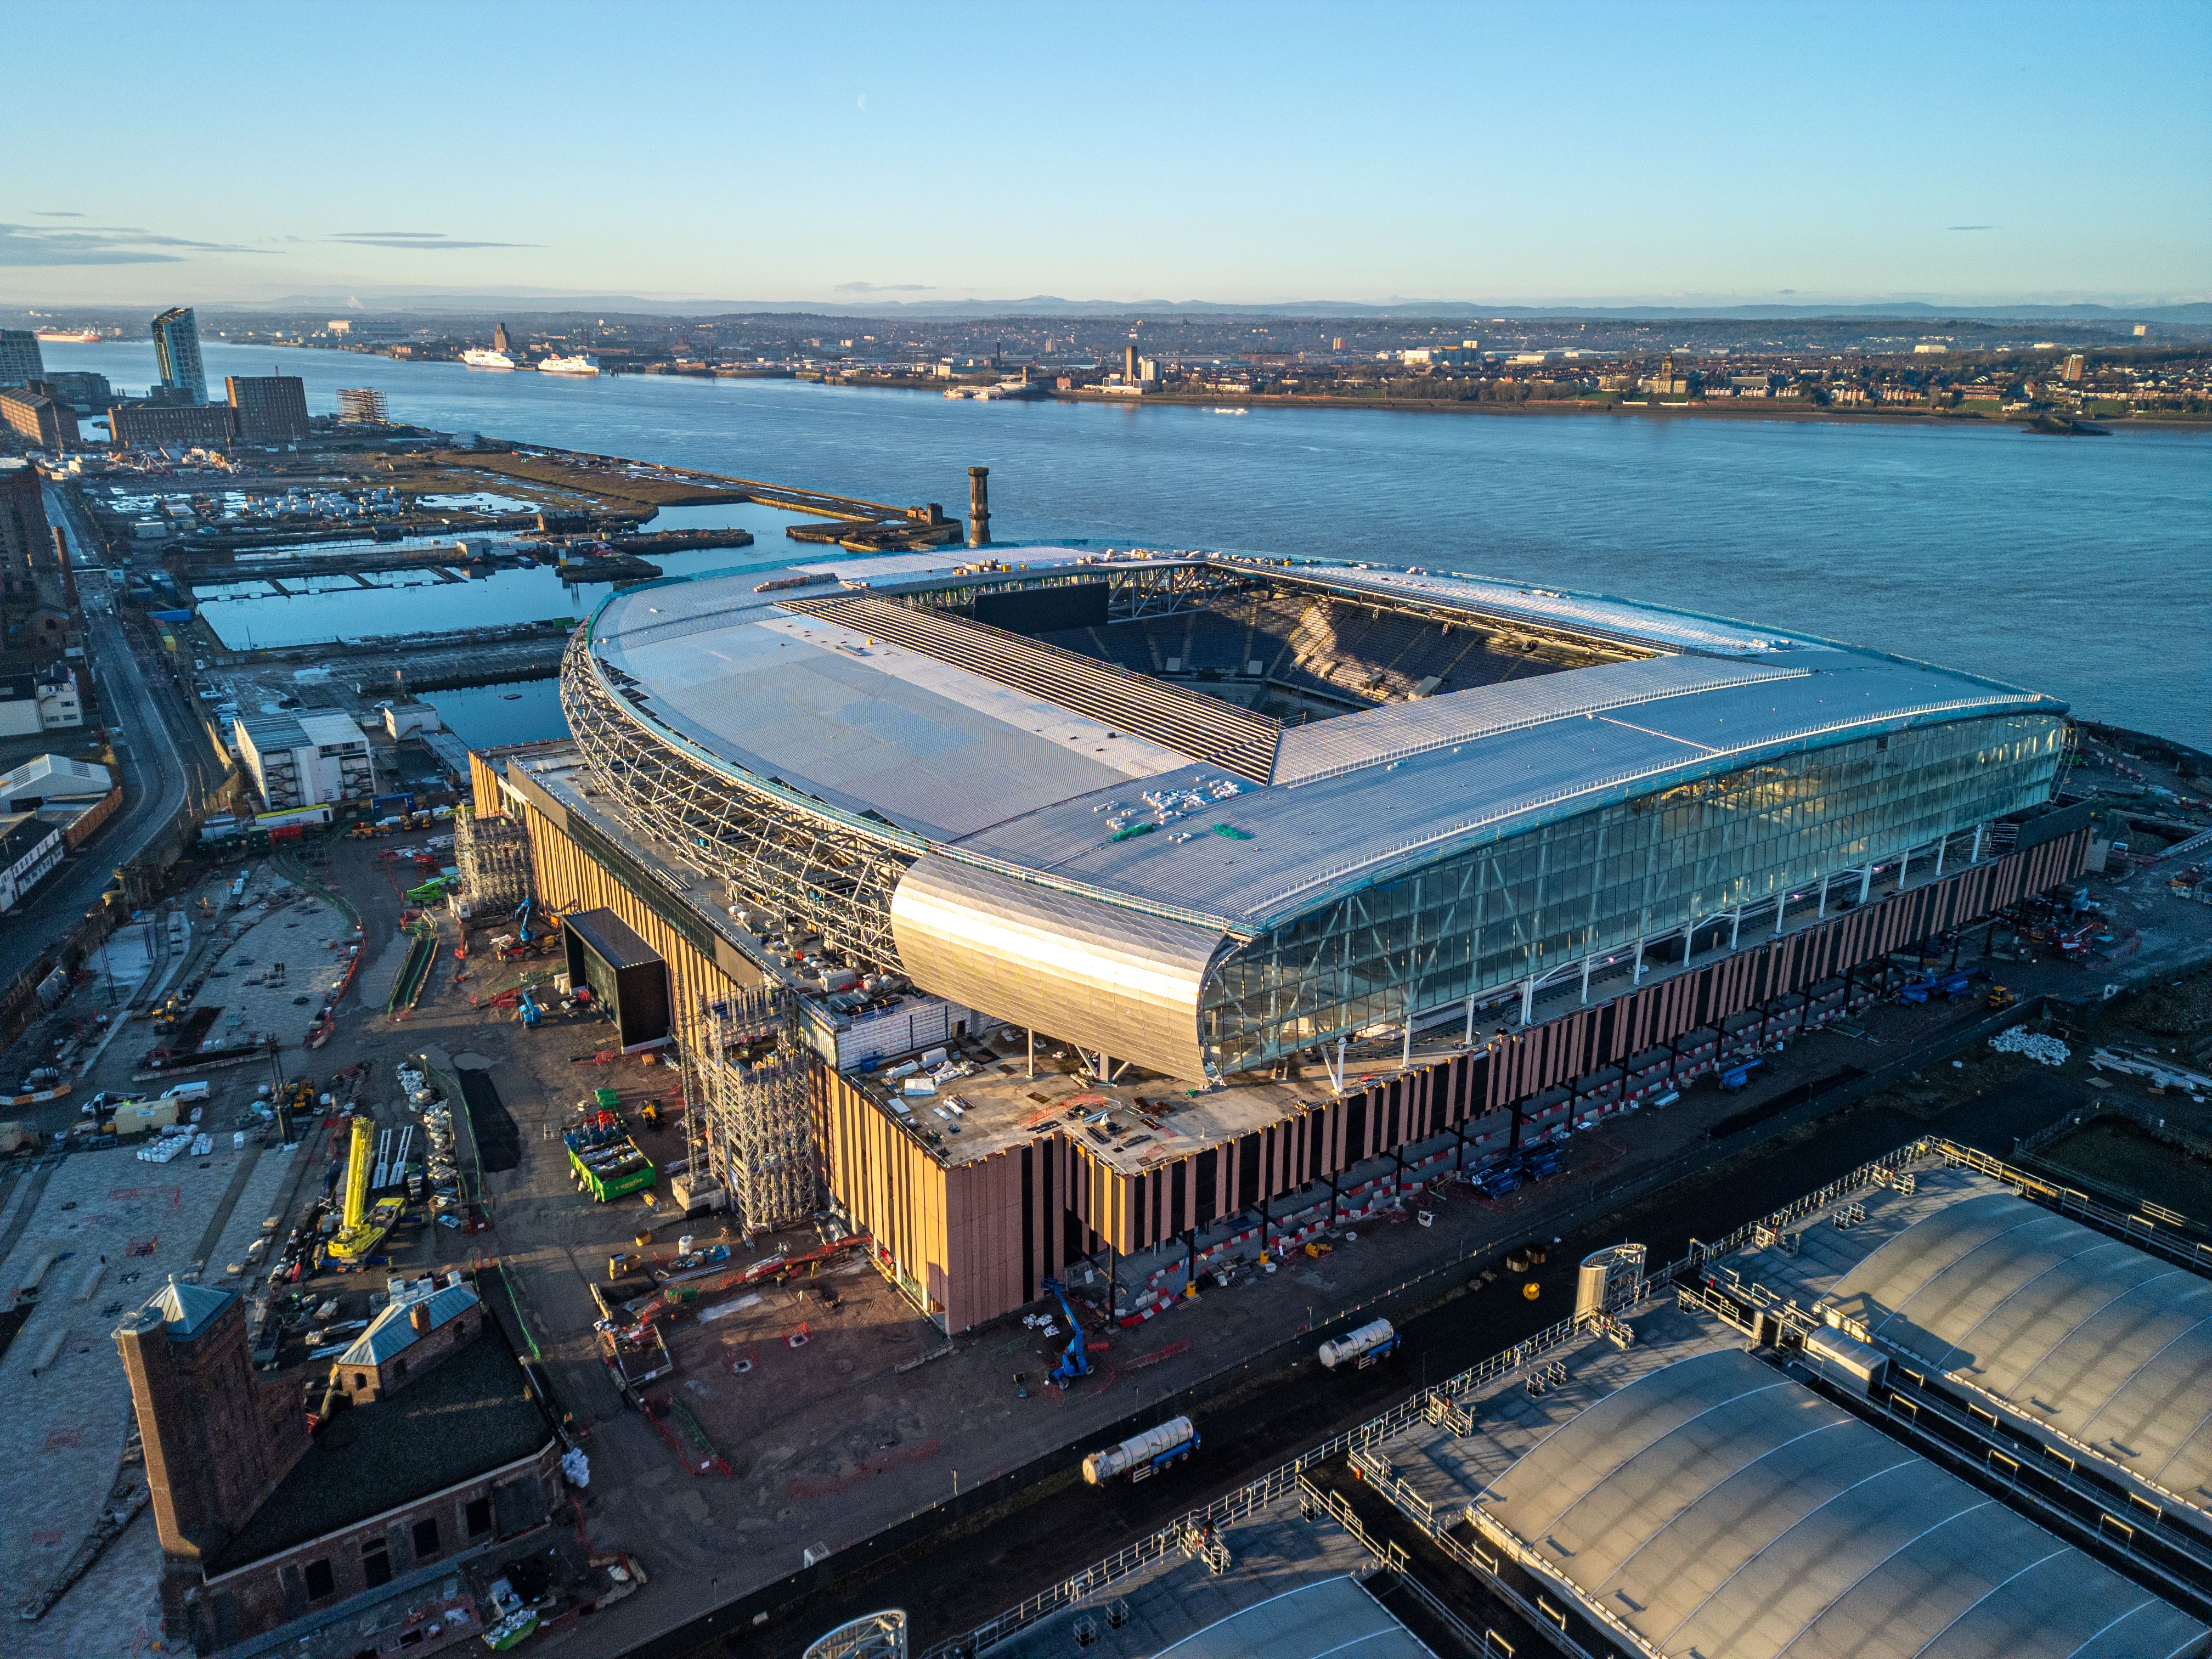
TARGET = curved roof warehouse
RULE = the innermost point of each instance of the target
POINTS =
(1715, 1506)
(1201, 812)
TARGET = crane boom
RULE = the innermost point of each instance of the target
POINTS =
(356, 1180)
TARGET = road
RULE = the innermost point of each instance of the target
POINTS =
(159, 755)
(1034, 1531)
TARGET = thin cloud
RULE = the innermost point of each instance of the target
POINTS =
(99, 245)
(1973, 227)
(54, 213)
(882, 287)
(425, 240)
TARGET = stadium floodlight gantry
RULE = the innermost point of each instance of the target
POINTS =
(1198, 813)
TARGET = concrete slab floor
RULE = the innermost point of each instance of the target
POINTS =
(118, 1228)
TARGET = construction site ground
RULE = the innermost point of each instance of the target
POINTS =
(829, 1443)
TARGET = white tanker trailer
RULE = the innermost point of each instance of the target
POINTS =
(1361, 1348)
(1143, 1455)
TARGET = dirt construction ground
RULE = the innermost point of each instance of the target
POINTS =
(869, 1418)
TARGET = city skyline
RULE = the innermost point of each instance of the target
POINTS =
(1594, 155)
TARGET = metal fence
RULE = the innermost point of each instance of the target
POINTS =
(1441, 1401)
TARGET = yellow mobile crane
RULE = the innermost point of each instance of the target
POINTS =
(361, 1229)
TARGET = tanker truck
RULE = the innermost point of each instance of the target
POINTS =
(1142, 1455)
(1361, 1348)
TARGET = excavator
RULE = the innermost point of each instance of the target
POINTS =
(1076, 1362)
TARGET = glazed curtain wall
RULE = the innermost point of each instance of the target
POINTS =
(1548, 897)
(1326, 1137)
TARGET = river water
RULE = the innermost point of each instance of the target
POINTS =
(2080, 567)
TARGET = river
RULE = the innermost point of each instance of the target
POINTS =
(2080, 567)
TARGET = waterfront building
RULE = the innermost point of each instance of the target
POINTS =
(1207, 823)
(306, 759)
(2072, 372)
(177, 348)
(153, 425)
(368, 330)
(19, 360)
(267, 408)
(32, 412)
(80, 389)
(500, 341)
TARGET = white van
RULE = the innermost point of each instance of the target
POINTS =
(193, 1090)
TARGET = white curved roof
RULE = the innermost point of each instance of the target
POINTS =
(1333, 1620)
(2094, 1336)
(1718, 1508)
(939, 753)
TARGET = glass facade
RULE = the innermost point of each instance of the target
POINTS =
(1548, 897)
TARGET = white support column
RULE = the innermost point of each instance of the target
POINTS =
(1586, 971)
(1781, 911)
(1866, 883)
(1528, 1000)
(1636, 973)
(1032, 1031)
(1689, 939)
(1336, 1072)
(1941, 847)
(1903, 864)
(1470, 1023)
(1735, 927)
(1975, 856)
(1822, 912)
(1406, 1057)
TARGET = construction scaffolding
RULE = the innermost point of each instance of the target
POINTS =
(752, 1087)
(493, 856)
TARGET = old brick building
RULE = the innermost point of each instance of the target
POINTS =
(218, 1440)
(424, 1458)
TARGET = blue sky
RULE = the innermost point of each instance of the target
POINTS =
(1650, 152)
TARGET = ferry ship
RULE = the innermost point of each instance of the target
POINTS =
(485, 357)
(579, 364)
(69, 335)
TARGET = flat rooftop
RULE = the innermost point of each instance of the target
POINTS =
(1128, 1126)
(896, 717)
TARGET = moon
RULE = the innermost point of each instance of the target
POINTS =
(863, 100)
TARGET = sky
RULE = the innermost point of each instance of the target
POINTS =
(861, 153)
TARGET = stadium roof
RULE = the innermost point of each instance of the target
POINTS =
(912, 722)
(942, 733)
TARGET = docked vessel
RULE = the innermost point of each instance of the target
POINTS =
(579, 364)
(486, 357)
(69, 335)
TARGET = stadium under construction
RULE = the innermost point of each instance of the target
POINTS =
(1222, 831)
